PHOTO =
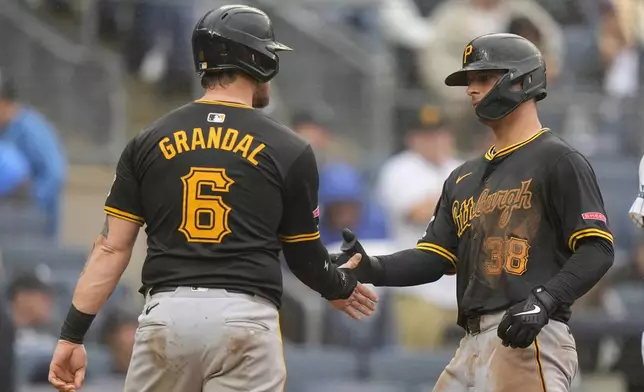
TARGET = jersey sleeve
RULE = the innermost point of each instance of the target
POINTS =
(577, 201)
(300, 217)
(440, 236)
(124, 199)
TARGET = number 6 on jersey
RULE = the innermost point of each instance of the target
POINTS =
(205, 215)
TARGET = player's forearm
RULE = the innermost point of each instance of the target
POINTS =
(411, 267)
(582, 271)
(309, 262)
(107, 262)
(100, 276)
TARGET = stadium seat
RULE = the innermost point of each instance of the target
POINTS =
(21, 219)
(618, 181)
(354, 386)
(409, 367)
(63, 261)
(306, 365)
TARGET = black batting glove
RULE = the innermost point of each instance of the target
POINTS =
(523, 321)
(369, 270)
(348, 283)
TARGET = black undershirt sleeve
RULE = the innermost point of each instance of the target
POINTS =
(592, 259)
(305, 255)
(412, 267)
(579, 207)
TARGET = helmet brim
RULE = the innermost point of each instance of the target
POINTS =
(459, 78)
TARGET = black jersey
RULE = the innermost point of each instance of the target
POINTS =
(509, 221)
(218, 186)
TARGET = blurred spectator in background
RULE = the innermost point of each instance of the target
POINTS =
(344, 202)
(620, 47)
(411, 182)
(328, 147)
(38, 141)
(118, 335)
(14, 173)
(457, 22)
(32, 310)
(407, 26)
(157, 47)
(409, 186)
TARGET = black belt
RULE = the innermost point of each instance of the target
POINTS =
(473, 324)
(169, 289)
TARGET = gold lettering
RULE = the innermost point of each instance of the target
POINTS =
(526, 195)
(229, 139)
(505, 201)
(256, 151)
(181, 141)
(197, 139)
(244, 145)
(167, 149)
(501, 200)
(214, 137)
(468, 51)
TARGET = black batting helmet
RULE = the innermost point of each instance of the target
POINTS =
(522, 63)
(236, 37)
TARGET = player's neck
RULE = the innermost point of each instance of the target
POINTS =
(232, 93)
(515, 128)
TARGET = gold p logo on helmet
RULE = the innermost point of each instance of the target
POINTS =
(467, 52)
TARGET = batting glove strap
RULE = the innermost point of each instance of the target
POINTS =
(348, 283)
(548, 301)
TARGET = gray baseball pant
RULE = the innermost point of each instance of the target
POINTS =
(483, 364)
(207, 340)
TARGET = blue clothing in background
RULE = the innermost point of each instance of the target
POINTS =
(38, 141)
(14, 169)
(340, 182)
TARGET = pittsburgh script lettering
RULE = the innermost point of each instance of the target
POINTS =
(505, 201)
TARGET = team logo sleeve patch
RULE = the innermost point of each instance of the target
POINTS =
(594, 216)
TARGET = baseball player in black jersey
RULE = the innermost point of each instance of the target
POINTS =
(221, 189)
(523, 227)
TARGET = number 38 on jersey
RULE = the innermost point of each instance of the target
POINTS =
(205, 215)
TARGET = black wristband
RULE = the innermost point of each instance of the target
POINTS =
(76, 325)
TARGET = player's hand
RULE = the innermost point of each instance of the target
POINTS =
(362, 301)
(68, 366)
(523, 321)
(369, 269)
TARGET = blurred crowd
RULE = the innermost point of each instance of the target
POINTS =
(594, 48)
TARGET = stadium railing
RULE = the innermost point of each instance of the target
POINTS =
(78, 87)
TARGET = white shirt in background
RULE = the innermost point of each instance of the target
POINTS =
(406, 179)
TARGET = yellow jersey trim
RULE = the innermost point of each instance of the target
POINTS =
(592, 232)
(491, 154)
(231, 104)
(115, 212)
(300, 237)
(427, 246)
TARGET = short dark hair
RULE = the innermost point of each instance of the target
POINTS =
(221, 78)
(27, 282)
